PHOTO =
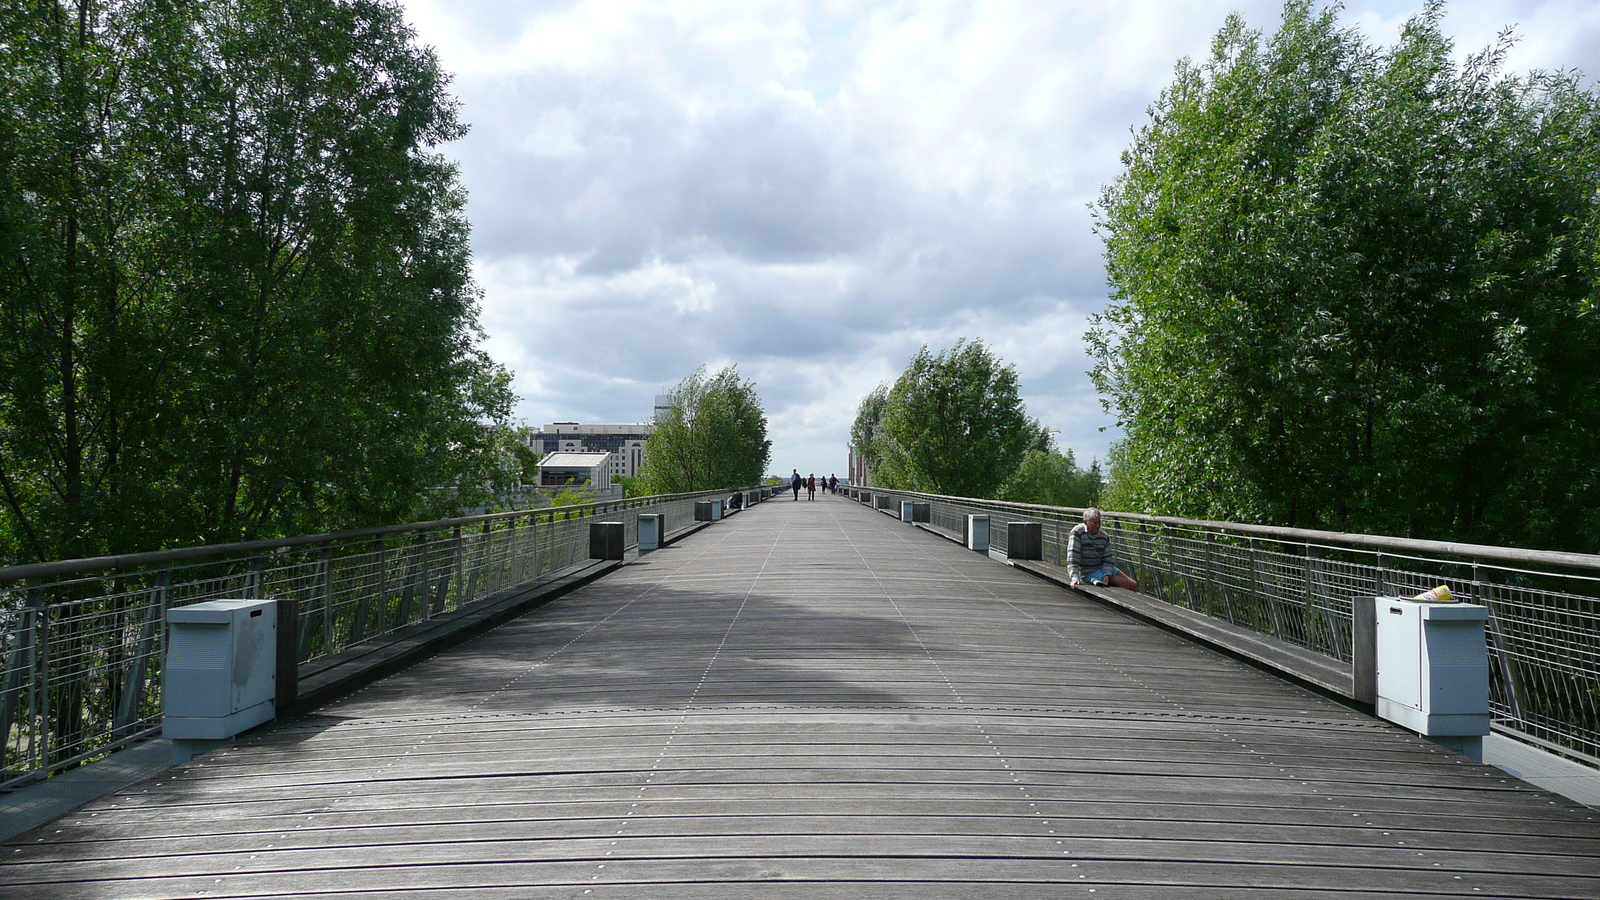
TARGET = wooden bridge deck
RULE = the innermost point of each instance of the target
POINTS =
(811, 700)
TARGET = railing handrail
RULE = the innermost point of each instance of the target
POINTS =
(56, 568)
(1483, 552)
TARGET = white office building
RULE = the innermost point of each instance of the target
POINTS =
(576, 470)
(625, 443)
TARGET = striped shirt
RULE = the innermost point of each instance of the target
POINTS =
(1087, 552)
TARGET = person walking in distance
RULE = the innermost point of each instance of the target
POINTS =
(795, 483)
(811, 486)
(1089, 555)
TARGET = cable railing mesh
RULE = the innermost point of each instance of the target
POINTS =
(1300, 587)
(81, 642)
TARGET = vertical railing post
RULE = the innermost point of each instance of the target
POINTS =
(1264, 597)
(414, 568)
(380, 608)
(428, 595)
(538, 556)
(252, 578)
(44, 736)
(1215, 578)
(1143, 551)
(1504, 661)
(516, 554)
(1313, 616)
(1166, 566)
(476, 574)
(371, 590)
(133, 685)
(457, 571)
(20, 671)
(1186, 567)
(503, 570)
(325, 558)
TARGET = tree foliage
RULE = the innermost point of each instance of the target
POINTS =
(712, 435)
(234, 276)
(952, 424)
(1052, 478)
(960, 416)
(868, 421)
(1355, 288)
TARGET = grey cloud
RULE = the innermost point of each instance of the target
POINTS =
(826, 255)
(641, 178)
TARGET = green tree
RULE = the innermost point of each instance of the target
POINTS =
(1353, 288)
(631, 486)
(953, 424)
(234, 276)
(864, 431)
(712, 435)
(1051, 478)
(75, 342)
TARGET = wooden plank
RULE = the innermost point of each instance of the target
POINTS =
(694, 844)
(1133, 833)
(635, 877)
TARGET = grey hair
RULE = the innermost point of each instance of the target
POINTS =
(1091, 513)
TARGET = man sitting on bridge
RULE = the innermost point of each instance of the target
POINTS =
(1089, 555)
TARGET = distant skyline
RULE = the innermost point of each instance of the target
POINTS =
(812, 191)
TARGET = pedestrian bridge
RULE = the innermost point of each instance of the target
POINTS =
(812, 700)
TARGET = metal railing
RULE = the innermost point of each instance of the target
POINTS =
(82, 641)
(1299, 586)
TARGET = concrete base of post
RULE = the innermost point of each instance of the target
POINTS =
(185, 749)
(1470, 746)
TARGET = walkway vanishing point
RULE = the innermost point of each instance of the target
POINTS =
(812, 700)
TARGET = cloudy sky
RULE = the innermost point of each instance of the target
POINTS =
(812, 191)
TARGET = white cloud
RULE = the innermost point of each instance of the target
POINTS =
(812, 190)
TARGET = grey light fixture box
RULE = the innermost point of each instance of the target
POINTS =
(649, 532)
(220, 673)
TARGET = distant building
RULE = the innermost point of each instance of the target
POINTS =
(859, 471)
(625, 443)
(579, 470)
